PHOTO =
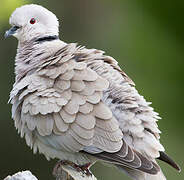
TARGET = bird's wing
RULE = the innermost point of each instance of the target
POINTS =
(64, 102)
(128, 157)
(68, 111)
(136, 118)
(64, 99)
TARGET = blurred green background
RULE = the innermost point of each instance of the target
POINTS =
(147, 39)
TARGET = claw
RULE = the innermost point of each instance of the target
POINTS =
(85, 169)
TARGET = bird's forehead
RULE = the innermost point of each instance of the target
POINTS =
(22, 14)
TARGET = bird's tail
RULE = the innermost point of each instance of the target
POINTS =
(139, 175)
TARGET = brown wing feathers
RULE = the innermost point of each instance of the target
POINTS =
(129, 158)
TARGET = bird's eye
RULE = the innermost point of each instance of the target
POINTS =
(32, 21)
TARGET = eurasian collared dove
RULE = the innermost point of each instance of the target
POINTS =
(77, 105)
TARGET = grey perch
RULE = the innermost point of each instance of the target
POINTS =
(24, 175)
(67, 173)
(63, 173)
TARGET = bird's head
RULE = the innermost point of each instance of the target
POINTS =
(32, 21)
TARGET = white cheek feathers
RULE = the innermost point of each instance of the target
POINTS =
(34, 21)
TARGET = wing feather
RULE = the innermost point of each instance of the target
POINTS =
(86, 121)
(107, 125)
(130, 158)
(86, 108)
(44, 124)
(81, 132)
(60, 123)
(67, 118)
(62, 103)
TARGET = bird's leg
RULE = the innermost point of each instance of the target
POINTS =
(59, 164)
(85, 169)
(80, 168)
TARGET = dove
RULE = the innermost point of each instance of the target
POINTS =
(77, 105)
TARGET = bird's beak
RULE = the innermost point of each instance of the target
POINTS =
(11, 31)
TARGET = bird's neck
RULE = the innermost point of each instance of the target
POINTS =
(47, 38)
(31, 55)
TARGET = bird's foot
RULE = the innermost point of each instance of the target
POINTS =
(80, 168)
(85, 169)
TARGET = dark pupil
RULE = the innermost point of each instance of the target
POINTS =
(32, 21)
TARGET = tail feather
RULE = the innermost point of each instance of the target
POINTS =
(139, 175)
(164, 157)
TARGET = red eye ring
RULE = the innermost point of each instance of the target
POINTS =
(32, 21)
